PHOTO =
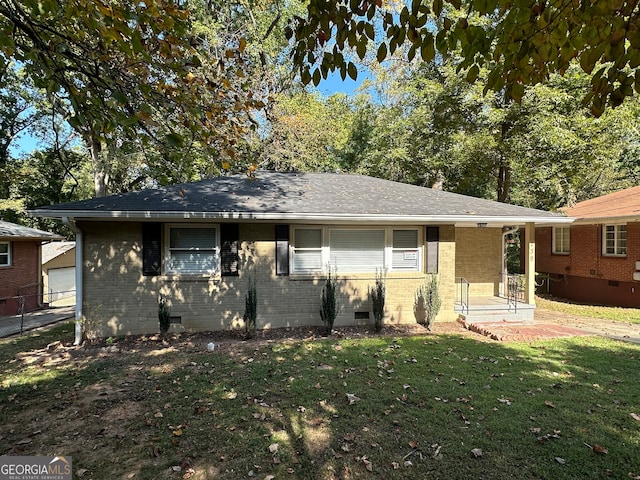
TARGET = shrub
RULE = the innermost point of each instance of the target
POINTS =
(250, 308)
(377, 295)
(427, 301)
(164, 316)
(329, 309)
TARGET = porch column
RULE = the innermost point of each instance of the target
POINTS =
(530, 263)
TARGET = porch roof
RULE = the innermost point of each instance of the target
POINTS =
(302, 197)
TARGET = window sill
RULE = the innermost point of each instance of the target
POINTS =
(561, 254)
(190, 277)
(393, 275)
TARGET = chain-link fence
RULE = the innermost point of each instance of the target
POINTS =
(31, 309)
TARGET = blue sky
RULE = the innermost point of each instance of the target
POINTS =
(335, 84)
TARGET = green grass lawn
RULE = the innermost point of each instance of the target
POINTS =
(410, 408)
(618, 314)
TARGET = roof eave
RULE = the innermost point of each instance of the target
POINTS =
(495, 220)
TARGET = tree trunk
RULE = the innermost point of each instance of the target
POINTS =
(504, 180)
(100, 166)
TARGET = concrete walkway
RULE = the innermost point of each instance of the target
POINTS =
(626, 331)
(10, 325)
(548, 324)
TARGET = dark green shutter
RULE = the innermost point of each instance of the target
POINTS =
(282, 249)
(433, 240)
(151, 249)
(229, 258)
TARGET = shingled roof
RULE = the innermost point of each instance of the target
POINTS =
(300, 197)
(621, 204)
(13, 231)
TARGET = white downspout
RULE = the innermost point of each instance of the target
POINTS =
(506, 232)
(71, 223)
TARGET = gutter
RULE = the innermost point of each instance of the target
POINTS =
(71, 223)
(459, 219)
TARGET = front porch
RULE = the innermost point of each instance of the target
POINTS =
(485, 292)
(493, 309)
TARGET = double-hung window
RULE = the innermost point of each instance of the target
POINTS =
(5, 254)
(405, 254)
(307, 250)
(561, 240)
(355, 250)
(192, 249)
(614, 241)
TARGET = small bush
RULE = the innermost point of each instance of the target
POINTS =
(427, 302)
(164, 316)
(377, 295)
(329, 310)
(250, 308)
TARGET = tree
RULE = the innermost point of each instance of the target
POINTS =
(132, 69)
(519, 42)
(306, 132)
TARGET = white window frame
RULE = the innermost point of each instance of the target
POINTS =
(325, 250)
(561, 233)
(215, 270)
(618, 249)
(322, 250)
(6, 254)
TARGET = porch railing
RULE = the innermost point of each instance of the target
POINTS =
(463, 294)
(514, 285)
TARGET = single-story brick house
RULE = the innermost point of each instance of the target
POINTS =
(597, 258)
(197, 243)
(20, 271)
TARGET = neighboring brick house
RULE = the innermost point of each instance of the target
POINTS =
(20, 271)
(196, 244)
(597, 259)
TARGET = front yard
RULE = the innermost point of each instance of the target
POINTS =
(432, 406)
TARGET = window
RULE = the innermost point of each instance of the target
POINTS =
(561, 240)
(5, 254)
(355, 250)
(307, 252)
(405, 255)
(192, 249)
(615, 240)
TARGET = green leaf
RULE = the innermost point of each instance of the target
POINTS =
(382, 52)
(427, 50)
(472, 74)
(352, 71)
(174, 140)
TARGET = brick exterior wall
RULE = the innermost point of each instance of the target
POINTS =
(21, 278)
(587, 275)
(478, 259)
(119, 300)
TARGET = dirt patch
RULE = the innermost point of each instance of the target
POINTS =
(234, 341)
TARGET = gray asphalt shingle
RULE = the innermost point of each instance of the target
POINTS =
(328, 194)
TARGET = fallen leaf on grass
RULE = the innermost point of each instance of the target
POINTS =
(476, 452)
(413, 443)
(597, 448)
(352, 398)
(635, 416)
(561, 461)
(81, 472)
(269, 477)
(24, 441)
(395, 465)
(273, 448)
(549, 404)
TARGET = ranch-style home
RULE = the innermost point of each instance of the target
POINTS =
(20, 269)
(597, 258)
(196, 245)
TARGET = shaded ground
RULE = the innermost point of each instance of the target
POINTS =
(13, 324)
